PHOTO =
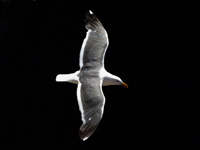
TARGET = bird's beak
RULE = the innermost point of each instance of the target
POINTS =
(124, 84)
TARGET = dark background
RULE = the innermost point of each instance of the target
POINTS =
(152, 48)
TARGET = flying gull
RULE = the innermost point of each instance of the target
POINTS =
(91, 76)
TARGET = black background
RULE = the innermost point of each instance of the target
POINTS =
(152, 48)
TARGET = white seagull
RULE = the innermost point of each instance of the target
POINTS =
(91, 76)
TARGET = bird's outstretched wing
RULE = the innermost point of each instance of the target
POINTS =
(95, 43)
(91, 103)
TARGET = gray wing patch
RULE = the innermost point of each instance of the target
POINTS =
(92, 101)
(95, 44)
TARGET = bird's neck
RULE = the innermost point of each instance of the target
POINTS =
(108, 78)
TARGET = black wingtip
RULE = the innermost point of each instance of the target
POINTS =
(86, 130)
(90, 126)
(91, 21)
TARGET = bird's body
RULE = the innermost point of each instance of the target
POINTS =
(91, 76)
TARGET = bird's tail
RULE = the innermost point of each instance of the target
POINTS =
(62, 78)
(72, 78)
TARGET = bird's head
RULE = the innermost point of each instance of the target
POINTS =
(118, 81)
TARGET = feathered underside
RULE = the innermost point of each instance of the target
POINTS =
(89, 92)
(95, 43)
(91, 104)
